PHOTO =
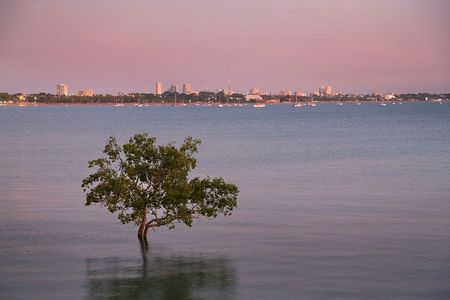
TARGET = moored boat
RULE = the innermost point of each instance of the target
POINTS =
(259, 105)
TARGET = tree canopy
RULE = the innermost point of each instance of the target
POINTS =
(149, 185)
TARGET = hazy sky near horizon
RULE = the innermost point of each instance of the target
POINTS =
(113, 45)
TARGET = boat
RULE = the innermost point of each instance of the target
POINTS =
(219, 105)
(297, 104)
(259, 105)
(383, 104)
(340, 104)
(311, 102)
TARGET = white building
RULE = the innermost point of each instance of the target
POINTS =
(227, 92)
(389, 97)
(85, 93)
(253, 97)
(326, 91)
(254, 91)
(158, 88)
(62, 90)
(187, 88)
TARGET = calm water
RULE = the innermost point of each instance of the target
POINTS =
(347, 202)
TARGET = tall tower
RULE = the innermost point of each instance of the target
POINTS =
(173, 88)
(61, 89)
(187, 88)
(227, 90)
(326, 91)
(158, 88)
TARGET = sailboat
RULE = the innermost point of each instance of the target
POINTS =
(119, 103)
(297, 104)
(311, 102)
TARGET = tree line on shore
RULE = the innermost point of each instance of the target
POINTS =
(202, 97)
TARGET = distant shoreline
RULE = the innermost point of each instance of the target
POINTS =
(208, 104)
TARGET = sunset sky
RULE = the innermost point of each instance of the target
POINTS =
(111, 46)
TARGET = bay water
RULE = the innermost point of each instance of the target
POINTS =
(336, 202)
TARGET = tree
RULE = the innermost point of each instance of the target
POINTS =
(148, 184)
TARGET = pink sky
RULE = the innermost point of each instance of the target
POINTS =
(112, 46)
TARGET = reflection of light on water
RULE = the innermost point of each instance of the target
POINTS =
(160, 277)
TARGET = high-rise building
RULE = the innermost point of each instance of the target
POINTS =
(326, 91)
(173, 88)
(61, 89)
(187, 88)
(254, 91)
(85, 93)
(286, 93)
(322, 90)
(227, 91)
(158, 88)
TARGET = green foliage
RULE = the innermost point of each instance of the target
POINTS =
(5, 97)
(143, 178)
(201, 97)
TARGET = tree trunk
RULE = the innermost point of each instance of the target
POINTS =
(142, 232)
(145, 231)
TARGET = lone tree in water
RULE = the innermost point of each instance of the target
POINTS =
(148, 184)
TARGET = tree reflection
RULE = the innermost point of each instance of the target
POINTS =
(160, 277)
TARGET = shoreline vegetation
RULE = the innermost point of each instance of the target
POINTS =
(207, 99)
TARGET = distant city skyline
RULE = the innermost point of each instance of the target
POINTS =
(355, 46)
(322, 91)
(158, 89)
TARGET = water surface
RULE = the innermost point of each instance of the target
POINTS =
(346, 202)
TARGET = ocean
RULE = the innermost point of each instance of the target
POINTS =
(336, 202)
